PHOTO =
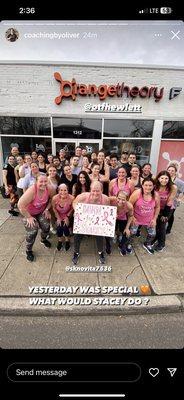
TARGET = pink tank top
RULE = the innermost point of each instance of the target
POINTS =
(63, 210)
(144, 210)
(121, 213)
(38, 205)
(115, 189)
(163, 198)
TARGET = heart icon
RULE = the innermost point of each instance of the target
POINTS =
(154, 372)
(145, 289)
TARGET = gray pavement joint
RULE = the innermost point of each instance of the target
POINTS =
(14, 255)
(131, 272)
(52, 265)
(140, 262)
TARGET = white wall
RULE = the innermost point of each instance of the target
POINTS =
(31, 89)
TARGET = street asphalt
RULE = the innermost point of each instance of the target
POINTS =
(156, 331)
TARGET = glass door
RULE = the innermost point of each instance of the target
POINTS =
(90, 145)
(69, 145)
(66, 144)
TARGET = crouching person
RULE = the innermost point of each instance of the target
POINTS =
(146, 205)
(123, 221)
(63, 210)
(34, 205)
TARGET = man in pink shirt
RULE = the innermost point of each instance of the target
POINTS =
(95, 196)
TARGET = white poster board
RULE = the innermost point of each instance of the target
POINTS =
(95, 219)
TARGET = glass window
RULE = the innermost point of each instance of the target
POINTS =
(77, 128)
(26, 145)
(69, 147)
(128, 128)
(25, 126)
(142, 148)
(173, 130)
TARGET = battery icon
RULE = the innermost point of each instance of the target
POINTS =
(166, 10)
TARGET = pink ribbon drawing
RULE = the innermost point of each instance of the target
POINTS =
(105, 217)
(78, 217)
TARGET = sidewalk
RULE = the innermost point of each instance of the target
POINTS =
(162, 272)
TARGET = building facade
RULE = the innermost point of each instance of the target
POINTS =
(114, 107)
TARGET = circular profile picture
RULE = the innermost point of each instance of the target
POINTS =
(11, 35)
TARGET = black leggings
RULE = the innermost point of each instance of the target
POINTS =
(120, 225)
(160, 231)
(63, 229)
(171, 220)
(78, 239)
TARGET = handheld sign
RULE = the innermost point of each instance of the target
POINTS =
(95, 219)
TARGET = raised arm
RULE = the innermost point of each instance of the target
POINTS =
(79, 199)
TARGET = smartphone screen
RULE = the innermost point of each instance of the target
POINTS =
(92, 201)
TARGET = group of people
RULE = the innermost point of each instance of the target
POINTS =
(46, 191)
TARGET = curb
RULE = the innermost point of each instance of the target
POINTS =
(155, 305)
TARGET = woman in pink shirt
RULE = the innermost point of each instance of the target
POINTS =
(123, 221)
(166, 191)
(120, 183)
(62, 207)
(96, 175)
(34, 205)
(146, 205)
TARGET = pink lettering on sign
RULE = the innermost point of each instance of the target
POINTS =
(94, 219)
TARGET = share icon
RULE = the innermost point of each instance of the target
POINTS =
(172, 371)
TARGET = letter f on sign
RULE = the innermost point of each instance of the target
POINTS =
(175, 91)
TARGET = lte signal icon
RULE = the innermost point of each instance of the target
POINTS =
(143, 11)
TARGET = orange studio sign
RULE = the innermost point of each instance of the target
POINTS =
(71, 89)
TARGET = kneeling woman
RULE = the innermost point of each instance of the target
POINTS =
(34, 205)
(124, 219)
(62, 207)
(146, 205)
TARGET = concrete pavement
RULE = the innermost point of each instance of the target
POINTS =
(159, 277)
